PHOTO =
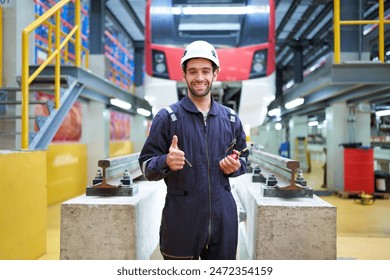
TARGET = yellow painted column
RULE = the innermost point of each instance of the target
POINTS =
(23, 205)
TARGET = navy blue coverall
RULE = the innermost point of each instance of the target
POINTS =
(199, 218)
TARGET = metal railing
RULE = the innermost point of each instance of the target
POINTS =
(337, 24)
(67, 57)
(1, 47)
(27, 78)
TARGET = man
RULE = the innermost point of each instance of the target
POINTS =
(190, 146)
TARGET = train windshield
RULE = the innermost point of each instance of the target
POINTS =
(223, 23)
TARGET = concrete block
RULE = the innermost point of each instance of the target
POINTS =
(285, 229)
(112, 228)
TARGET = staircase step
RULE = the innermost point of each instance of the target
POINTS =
(42, 102)
(33, 87)
(40, 121)
(10, 89)
(14, 117)
(9, 133)
(47, 80)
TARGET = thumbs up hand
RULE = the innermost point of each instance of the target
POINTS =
(175, 158)
(174, 144)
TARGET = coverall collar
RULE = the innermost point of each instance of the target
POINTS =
(189, 106)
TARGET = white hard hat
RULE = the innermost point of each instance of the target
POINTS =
(201, 49)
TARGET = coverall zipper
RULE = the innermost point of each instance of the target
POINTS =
(209, 183)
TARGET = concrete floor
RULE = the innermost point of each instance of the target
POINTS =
(363, 231)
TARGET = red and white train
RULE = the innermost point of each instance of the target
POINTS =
(243, 33)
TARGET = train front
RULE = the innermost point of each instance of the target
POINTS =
(243, 34)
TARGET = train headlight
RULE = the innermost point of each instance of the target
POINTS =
(159, 65)
(159, 57)
(259, 57)
(258, 67)
(259, 64)
(160, 68)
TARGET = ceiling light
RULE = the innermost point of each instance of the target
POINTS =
(278, 119)
(382, 113)
(120, 103)
(211, 10)
(144, 112)
(289, 84)
(278, 126)
(150, 98)
(295, 103)
(312, 123)
(274, 112)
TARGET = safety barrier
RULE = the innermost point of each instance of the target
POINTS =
(337, 23)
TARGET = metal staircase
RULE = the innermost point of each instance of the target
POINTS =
(75, 82)
(60, 74)
(49, 125)
(10, 110)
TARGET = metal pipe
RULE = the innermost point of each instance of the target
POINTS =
(58, 61)
(336, 30)
(381, 31)
(1, 47)
(25, 90)
(78, 33)
(46, 16)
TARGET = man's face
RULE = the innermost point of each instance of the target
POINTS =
(199, 76)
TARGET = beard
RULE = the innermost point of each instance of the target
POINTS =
(196, 93)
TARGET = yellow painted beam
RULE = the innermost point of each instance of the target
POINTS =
(381, 32)
(336, 30)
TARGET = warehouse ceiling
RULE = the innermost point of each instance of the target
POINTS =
(301, 25)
